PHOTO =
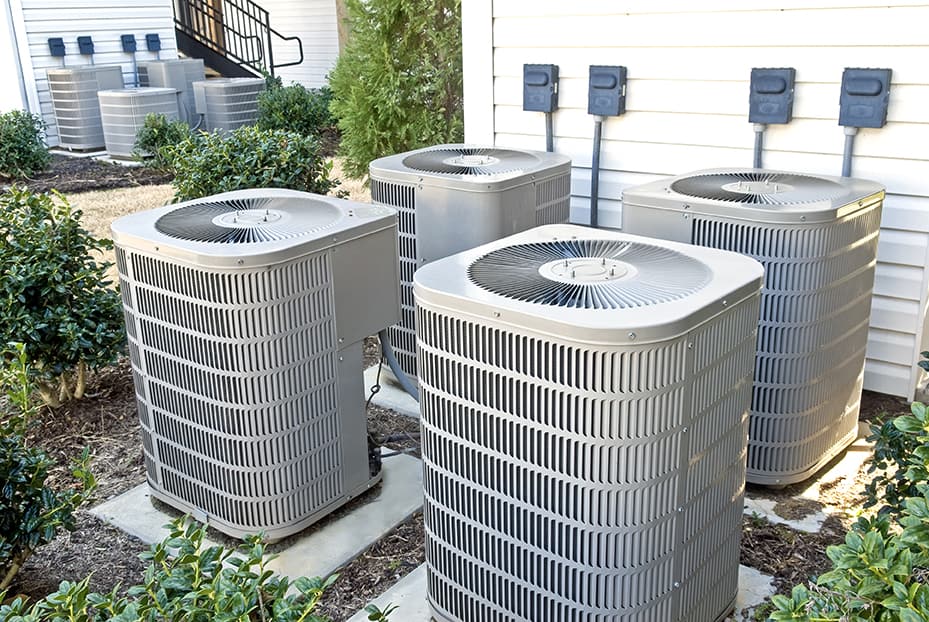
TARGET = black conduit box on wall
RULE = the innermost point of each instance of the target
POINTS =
(606, 93)
(85, 44)
(772, 95)
(540, 88)
(128, 43)
(56, 47)
(864, 97)
(153, 42)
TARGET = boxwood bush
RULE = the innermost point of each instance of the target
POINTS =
(155, 137)
(295, 108)
(22, 150)
(248, 157)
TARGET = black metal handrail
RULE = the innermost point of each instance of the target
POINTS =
(239, 30)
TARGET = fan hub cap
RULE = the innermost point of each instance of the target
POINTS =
(758, 187)
(472, 160)
(586, 270)
(247, 218)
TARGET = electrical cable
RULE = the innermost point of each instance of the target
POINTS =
(595, 173)
(394, 365)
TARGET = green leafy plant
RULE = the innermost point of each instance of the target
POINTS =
(295, 108)
(31, 512)
(397, 85)
(248, 157)
(22, 150)
(187, 582)
(55, 297)
(153, 138)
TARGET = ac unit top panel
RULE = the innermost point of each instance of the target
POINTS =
(225, 83)
(136, 92)
(81, 72)
(590, 285)
(249, 228)
(759, 195)
(472, 168)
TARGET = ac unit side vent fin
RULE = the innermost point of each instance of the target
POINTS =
(589, 274)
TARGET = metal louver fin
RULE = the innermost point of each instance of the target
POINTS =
(589, 274)
(470, 161)
(248, 221)
(758, 188)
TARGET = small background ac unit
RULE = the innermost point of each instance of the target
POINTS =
(123, 113)
(584, 401)
(817, 238)
(74, 100)
(179, 74)
(246, 313)
(455, 197)
(227, 103)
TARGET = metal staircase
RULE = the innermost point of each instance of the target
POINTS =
(233, 37)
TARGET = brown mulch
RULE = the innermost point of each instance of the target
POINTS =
(72, 174)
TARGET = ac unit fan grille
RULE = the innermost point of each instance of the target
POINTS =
(470, 161)
(247, 221)
(596, 274)
(758, 188)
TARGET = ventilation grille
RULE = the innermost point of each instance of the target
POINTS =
(589, 274)
(248, 221)
(758, 188)
(470, 161)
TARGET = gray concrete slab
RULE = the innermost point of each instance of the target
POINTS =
(314, 552)
(391, 395)
(409, 595)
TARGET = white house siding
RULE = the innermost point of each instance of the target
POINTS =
(315, 22)
(688, 67)
(35, 21)
(13, 95)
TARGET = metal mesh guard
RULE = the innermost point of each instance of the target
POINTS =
(758, 188)
(470, 161)
(589, 274)
(248, 221)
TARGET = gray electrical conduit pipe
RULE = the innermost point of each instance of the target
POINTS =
(759, 144)
(849, 149)
(394, 365)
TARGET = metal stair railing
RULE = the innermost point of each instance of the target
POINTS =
(239, 30)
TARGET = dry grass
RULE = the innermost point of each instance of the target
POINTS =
(356, 189)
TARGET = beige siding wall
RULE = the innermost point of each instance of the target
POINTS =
(38, 20)
(689, 65)
(315, 22)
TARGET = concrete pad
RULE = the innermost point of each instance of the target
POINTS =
(842, 475)
(409, 595)
(60, 151)
(391, 396)
(315, 552)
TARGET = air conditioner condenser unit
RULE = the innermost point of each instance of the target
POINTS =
(74, 100)
(584, 400)
(246, 313)
(123, 112)
(455, 197)
(817, 239)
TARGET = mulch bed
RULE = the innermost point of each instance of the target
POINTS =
(71, 174)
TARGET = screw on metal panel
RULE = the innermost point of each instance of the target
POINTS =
(496, 314)
(683, 429)
(573, 273)
(803, 218)
(690, 346)
(680, 509)
(676, 585)
(632, 336)
(725, 303)
(341, 339)
(341, 358)
(603, 261)
(612, 271)
(686, 206)
(240, 262)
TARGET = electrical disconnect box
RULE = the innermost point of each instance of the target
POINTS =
(772, 95)
(606, 95)
(153, 42)
(56, 47)
(85, 44)
(128, 43)
(864, 97)
(540, 88)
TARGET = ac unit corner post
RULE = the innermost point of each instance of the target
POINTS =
(245, 338)
(817, 238)
(455, 197)
(584, 399)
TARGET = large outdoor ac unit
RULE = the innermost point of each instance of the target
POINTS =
(584, 401)
(455, 197)
(228, 103)
(246, 313)
(123, 113)
(179, 74)
(817, 238)
(74, 100)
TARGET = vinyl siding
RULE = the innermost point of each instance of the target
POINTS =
(105, 21)
(687, 106)
(314, 21)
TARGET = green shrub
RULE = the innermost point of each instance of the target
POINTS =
(31, 513)
(248, 157)
(186, 582)
(155, 136)
(397, 85)
(54, 296)
(22, 150)
(881, 572)
(295, 108)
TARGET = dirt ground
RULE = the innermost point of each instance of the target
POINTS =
(106, 422)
